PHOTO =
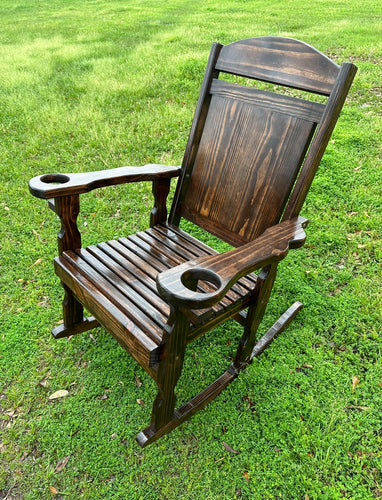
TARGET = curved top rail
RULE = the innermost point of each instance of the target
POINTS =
(280, 60)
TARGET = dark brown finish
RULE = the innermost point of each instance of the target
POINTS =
(250, 159)
(57, 185)
(223, 270)
(283, 61)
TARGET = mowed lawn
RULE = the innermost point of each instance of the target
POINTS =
(96, 84)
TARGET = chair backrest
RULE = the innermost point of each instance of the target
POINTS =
(252, 153)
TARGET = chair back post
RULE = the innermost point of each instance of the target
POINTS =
(197, 126)
(320, 141)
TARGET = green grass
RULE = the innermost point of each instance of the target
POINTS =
(100, 84)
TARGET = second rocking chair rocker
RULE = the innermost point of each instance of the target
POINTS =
(251, 157)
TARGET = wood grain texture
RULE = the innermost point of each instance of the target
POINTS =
(160, 190)
(108, 314)
(116, 281)
(224, 269)
(67, 208)
(62, 331)
(57, 185)
(152, 433)
(321, 139)
(250, 159)
(197, 126)
(250, 144)
(255, 315)
(246, 165)
(170, 368)
(279, 60)
(293, 106)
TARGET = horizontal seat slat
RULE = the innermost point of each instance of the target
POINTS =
(131, 260)
(123, 284)
(134, 249)
(146, 275)
(161, 262)
(162, 242)
(160, 249)
(163, 256)
(183, 239)
(112, 292)
(140, 282)
(180, 254)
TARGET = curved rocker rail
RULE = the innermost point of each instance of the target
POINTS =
(187, 410)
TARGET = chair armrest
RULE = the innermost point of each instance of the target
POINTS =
(178, 285)
(57, 185)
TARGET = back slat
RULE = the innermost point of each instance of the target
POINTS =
(307, 110)
(283, 61)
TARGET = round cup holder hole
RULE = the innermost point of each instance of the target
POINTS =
(55, 179)
(203, 277)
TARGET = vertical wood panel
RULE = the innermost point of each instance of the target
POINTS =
(246, 164)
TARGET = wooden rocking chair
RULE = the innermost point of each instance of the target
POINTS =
(251, 157)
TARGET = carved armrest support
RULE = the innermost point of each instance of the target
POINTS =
(178, 285)
(63, 190)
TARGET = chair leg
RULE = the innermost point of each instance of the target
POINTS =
(152, 434)
(187, 410)
(74, 320)
(164, 416)
(67, 208)
(169, 371)
(255, 315)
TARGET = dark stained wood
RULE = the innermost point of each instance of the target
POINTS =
(152, 433)
(172, 355)
(160, 189)
(84, 325)
(321, 139)
(223, 270)
(250, 159)
(123, 273)
(255, 314)
(67, 208)
(196, 129)
(283, 61)
(242, 175)
(57, 185)
(109, 315)
(306, 110)
(278, 327)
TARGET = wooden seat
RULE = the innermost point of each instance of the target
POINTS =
(120, 276)
(251, 157)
